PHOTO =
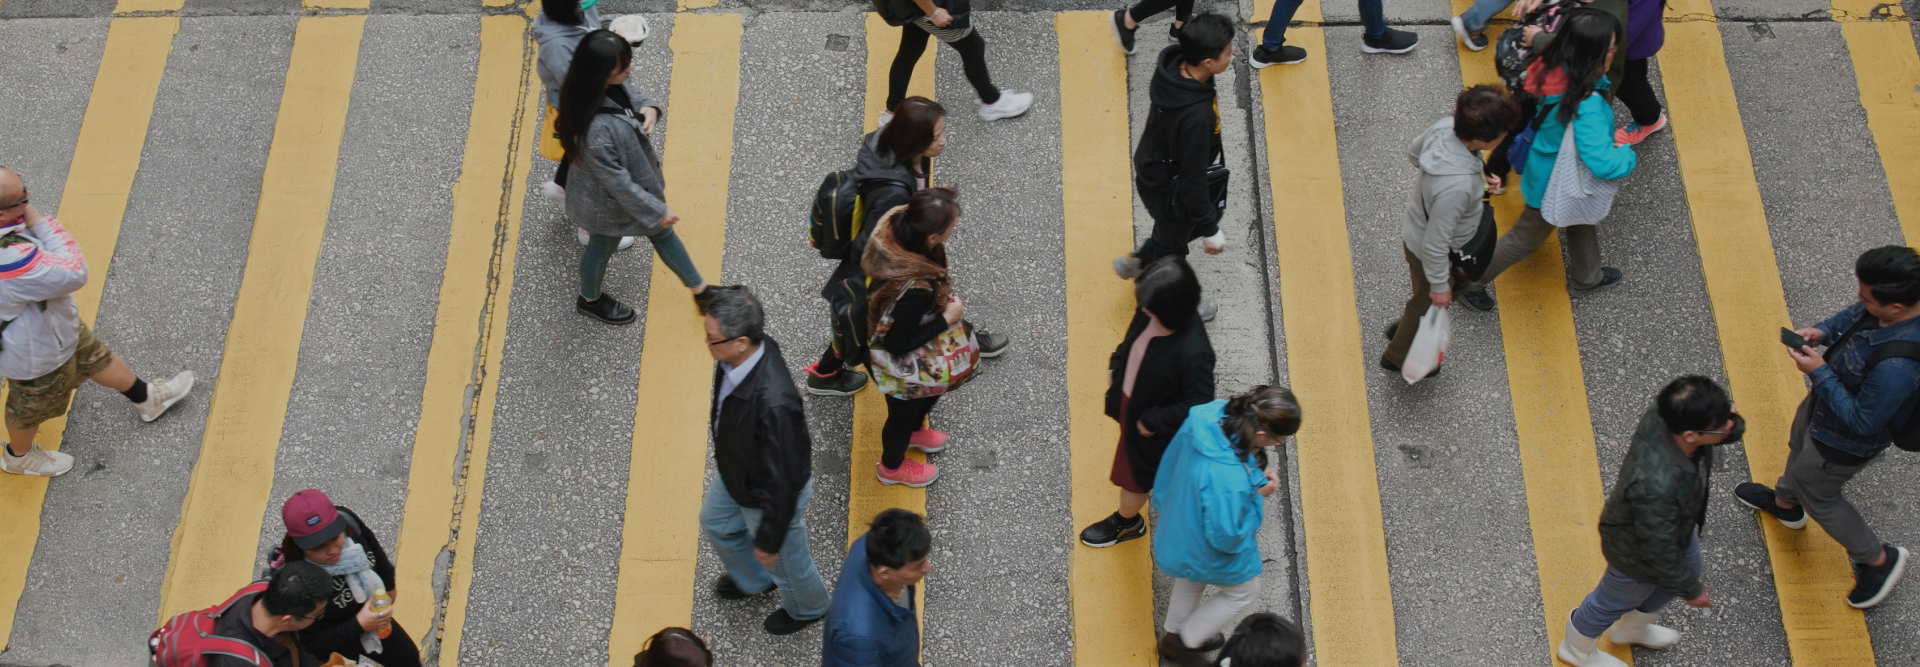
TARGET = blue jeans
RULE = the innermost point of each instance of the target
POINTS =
(593, 263)
(1371, 16)
(729, 527)
(1476, 17)
(1618, 594)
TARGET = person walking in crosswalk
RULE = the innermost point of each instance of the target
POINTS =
(338, 541)
(1377, 38)
(46, 352)
(872, 622)
(617, 188)
(1126, 20)
(558, 30)
(1650, 526)
(919, 19)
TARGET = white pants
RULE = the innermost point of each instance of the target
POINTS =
(1196, 626)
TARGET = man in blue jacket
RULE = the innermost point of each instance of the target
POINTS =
(872, 621)
(1850, 416)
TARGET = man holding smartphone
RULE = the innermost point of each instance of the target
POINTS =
(1850, 416)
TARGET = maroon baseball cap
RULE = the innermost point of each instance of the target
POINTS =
(311, 519)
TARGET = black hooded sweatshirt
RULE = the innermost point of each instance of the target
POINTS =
(1182, 138)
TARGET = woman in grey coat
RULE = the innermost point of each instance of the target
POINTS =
(616, 188)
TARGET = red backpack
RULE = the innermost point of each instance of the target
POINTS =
(188, 640)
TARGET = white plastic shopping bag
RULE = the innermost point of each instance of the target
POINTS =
(1429, 345)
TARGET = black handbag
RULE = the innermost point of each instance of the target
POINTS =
(1472, 259)
(1217, 177)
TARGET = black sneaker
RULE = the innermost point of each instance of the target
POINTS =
(1609, 277)
(1873, 584)
(1121, 33)
(1214, 643)
(1391, 41)
(1113, 530)
(605, 309)
(1760, 498)
(728, 590)
(781, 623)
(991, 344)
(1478, 300)
(1174, 30)
(1286, 55)
(845, 382)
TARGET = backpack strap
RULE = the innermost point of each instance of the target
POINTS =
(1858, 326)
(1893, 349)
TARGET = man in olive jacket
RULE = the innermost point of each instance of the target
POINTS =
(1649, 529)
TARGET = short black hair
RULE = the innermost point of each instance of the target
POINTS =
(296, 588)
(1483, 113)
(738, 312)
(1204, 37)
(1170, 291)
(1694, 403)
(1266, 639)
(897, 537)
(1892, 272)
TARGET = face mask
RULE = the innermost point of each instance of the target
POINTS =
(588, 4)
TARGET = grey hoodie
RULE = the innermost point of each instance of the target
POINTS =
(557, 42)
(1445, 211)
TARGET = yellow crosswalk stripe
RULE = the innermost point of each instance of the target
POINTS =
(213, 547)
(1550, 414)
(1351, 598)
(112, 135)
(1810, 571)
(127, 6)
(659, 544)
(1887, 69)
(1111, 589)
(449, 463)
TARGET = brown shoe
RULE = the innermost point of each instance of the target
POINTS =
(1173, 649)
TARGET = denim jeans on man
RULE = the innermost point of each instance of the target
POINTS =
(1618, 594)
(729, 527)
(1372, 16)
(1476, 17)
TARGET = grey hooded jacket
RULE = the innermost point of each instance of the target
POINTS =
(557, 42)
(1445, 211)
(616, 188)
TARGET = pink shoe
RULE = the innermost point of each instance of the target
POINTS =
(1634, 133)
(911, 473)
(928, 440)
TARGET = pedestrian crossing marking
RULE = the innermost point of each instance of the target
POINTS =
(1111, 589)
(213, 550)
(1887, 69)
(659, 542)
(128, 6)
(1351, 599)
(106, 156)
(451, 441)
(1810, 571)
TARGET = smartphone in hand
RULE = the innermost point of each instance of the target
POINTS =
(1791, 339)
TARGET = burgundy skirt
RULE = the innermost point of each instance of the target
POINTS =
(1122, 475)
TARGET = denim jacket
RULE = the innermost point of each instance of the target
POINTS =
(1859, 415)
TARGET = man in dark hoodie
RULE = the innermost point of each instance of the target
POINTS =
(755, 514)
(1181, 139)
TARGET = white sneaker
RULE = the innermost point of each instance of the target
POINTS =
(1207, 309)
(1578, 650)
(632, 26)
(38, 462)
(1011, 104)
(1638, 628)
(163, 394)
(554, 193)
(625, 241)
(885, 117)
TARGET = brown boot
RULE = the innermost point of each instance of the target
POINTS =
(1173, 649)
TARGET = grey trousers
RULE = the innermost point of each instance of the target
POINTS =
(1814, 483)
(1531, 230)
(1618, 594)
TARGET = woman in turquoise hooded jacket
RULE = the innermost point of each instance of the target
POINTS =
(1211, 491)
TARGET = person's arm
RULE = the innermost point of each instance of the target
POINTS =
(57, 270)
(1449, 207)
(641, 103)
(346, 632)
(907, 333)
(1834, 327)
(1656, 519)
(604, 159)
(1872, 406)
(785, 445)
(1196, 387)
(1593, 134)
(1224, 519)
(848, 651)
(1194, 143)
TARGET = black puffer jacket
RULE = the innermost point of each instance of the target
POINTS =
(1181, 138)
(1655, 507)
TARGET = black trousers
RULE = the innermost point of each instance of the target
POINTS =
(397, 650)
(903, 418)
(1182, 9)
(1171, 235)
(973, 60)
(830, 362)
(1637, 93)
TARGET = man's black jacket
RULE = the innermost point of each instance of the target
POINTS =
(761, 445)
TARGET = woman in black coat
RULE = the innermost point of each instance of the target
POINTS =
(335, 538)
(1161, 370)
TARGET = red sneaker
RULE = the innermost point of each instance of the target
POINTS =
(911, 473)
(1633, 133)
(928, 440)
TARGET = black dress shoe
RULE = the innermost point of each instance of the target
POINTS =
(605, 309)
(728, 590)
(781, 623)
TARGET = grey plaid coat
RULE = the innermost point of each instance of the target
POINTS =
(616, 188)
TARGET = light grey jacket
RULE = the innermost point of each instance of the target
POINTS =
(1445, 211)
(37, 281)
(557, 42)
(616, 188)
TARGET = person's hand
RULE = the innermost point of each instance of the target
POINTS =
(1812, 334)
(670, 218)
(1806, 359)
(649, 116)
(1494, 181)
(31, 217)
(1215, 244)
(941, 18)
(1273, 483)
(373, 620)
(955, 310)
(1523, 7)
(1442, 299)
(766, 559)
(1527, 33)
(1142, 428)
(1700, 600)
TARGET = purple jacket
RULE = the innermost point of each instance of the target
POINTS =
(1645, 32)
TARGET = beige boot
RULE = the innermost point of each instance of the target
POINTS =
(1578, 650)
(1638, 629)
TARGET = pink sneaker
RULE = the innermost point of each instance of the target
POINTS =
(911, 473)
(1634, 133)
(928, 440)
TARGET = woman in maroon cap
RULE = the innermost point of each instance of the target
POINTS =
(335, 539)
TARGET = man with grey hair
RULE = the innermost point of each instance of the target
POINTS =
(45, 350)
(755, 515)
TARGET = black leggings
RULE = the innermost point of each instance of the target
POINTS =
(1182, 9)
(973, 59)
(1637, 93)
(903, 418)
(830, 362)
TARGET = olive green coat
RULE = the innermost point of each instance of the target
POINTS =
(1654, 509)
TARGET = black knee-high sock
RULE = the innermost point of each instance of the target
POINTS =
(138, 392)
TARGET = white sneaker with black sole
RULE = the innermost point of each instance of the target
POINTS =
(1286, 55)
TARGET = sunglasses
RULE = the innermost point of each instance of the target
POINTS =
(712, 343)
(18, 204)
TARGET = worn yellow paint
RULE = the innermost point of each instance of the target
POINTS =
(214, 545)
(1862, 10)
(1887, 70)
(690, 5)
(126, 6)
(1810, 571)
(1351, 598)
(660, 540)
(105, 158)
(463, 363)
(1550, 414)
(1112, 588)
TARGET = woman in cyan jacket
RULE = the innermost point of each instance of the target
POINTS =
(1211, 491)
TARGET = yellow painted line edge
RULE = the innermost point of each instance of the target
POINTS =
(213, 547)
(1886, 68)
(660, 536)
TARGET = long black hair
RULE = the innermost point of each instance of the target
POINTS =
(566, 12)
(1581, 48)
(600, 54)
(929, 212)
(911, 132)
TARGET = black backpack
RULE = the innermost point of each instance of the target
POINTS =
(1906, 437)
(839, 212)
